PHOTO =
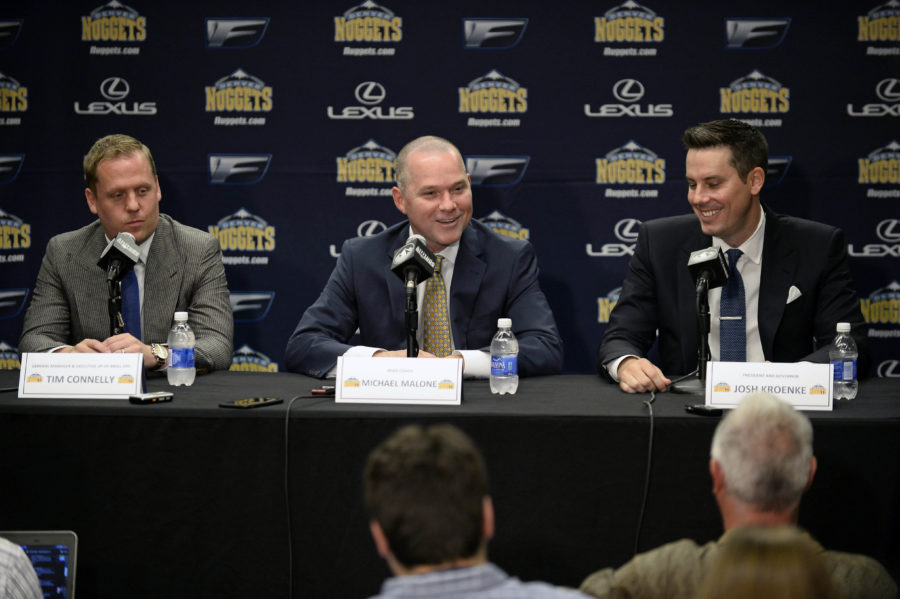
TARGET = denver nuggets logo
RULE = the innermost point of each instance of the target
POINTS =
(125, 379)
(247, 359)
(883, 305)
(882, 166)
(631, 164)
(629, 22)
(722, 388)
(368, 22)
(881, 24)
(9, 357)
(13, 95)
(368, 163)
(817, 390)
(505, 226)
(606, 304)
(446, 384)
(16, 234)
(34, 378)
(754, 94)
(351, 383)
(239, 92)
(493, 93)
(245, 232)
(113, 22)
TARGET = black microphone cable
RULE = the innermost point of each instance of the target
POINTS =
(640, 523)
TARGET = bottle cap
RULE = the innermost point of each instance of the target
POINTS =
(504, 323)
(181, 316)
(843, 327)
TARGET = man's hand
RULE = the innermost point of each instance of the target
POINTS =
(88, 346)
(124, 343)
(639, 375)
(401, 353)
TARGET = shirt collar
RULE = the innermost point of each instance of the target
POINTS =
(449, 252)
(753, 247)
(144, 247)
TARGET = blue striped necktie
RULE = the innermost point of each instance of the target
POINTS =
(733, 315)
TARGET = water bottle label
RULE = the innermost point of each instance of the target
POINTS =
(844, 370)
(504, 365)
(181, 357)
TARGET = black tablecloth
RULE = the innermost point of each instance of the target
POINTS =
(189, 499)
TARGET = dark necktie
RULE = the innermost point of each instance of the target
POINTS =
(131, 305)
(733, 315)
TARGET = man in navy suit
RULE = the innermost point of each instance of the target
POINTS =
(795, 273)
(487, 277)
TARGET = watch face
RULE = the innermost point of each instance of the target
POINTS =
(160, 351)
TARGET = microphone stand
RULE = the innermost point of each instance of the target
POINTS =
(116, 322)
(697, 386)
(412, 316)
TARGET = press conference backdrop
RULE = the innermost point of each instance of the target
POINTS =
(274, 126)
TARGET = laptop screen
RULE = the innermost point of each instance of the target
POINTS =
(53, 555)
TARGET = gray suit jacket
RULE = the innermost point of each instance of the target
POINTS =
(184, 272)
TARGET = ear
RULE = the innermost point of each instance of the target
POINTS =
(158, 190)
(718, 476)
(399, 200)
(487, 518)
(381, 542)
(91, 200)
(813, 465)
(757, 178)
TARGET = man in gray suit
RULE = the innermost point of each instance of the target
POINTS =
(180, 269)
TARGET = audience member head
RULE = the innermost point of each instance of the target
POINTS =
(762, 461)
(748, 146)
(426, 490)
(774, 562)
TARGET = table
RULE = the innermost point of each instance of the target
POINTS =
(189, 499)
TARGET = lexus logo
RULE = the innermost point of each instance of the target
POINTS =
(369, 228)
(888, 90)
(370, 92)
(628, 90)
(889, 369)
(627, 229)
(889, 230)
(114, 88)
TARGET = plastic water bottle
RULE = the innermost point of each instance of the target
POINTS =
(843, 356)
(504, 359)
(181, 369)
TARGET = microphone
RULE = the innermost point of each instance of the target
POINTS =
(119, 256)
(413, 262)
(708, 266)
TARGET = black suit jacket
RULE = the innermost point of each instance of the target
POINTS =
(658, 294)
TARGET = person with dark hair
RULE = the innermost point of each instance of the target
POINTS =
(180, 269)
(480, 276)
(761, 463)
(431, 517)
(789, 278)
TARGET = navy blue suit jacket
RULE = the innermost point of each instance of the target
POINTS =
(658, 294)
(493, 277)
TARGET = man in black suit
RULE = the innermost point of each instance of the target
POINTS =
(796, 280)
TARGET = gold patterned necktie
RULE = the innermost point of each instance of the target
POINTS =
(436, 339)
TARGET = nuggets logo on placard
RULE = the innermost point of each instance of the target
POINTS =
(10, 166)
(235, 33)
(239, 93)
(9, 357)
(629, 23)
(631, 164)
(14, 235)
(496, 171)
(606, 304)
(244, 232)
(493, 93)
(505, 226)
(12, 302)
(881, 167)
(13, 95)
(882, 307)
(247, 359)
(368, 23)
(881, 24)
(368, 163)
(493, 33)
(754, 94)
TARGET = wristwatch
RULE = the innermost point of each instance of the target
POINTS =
(160, 352)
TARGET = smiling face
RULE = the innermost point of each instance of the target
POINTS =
(126, 196)
(727, 206)
(437, 197)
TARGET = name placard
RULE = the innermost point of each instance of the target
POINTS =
(804, 385)
(399, 381)
(71, 375)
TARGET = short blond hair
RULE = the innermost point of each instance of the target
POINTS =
(111, 146)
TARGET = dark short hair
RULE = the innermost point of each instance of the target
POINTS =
(425, 487)
(749, 148)
(111, 146)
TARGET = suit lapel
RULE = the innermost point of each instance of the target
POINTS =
(779, 263)
(468, 271)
